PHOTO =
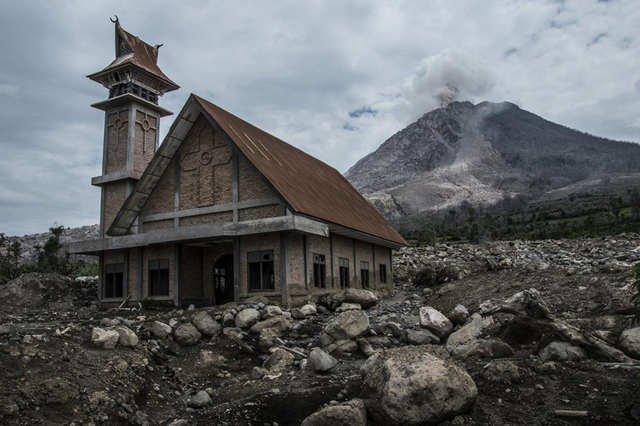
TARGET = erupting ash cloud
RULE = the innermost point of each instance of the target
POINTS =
(451, 75)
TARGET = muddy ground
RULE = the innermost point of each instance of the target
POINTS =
(52, 374)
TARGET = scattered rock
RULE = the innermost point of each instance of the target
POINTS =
(420, 337)
(348, 325)
(434, 321)
(350, 413)
(206, 324)
(280, 324)
(199, 400)
(187, 335)
(348, 307)
(458, 315)
(296, 313)
(279, 361)
(105, 339)
(471, 331)
(270, 312)
(562, 351)
(320, 361)
(247, 318)
(503, 372)
(308, 310)
(160, 329)
(127, 337)
(364, 298)
(630, 342)
(490, 348)
(410, 386)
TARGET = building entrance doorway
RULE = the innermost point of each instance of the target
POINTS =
(223, 285)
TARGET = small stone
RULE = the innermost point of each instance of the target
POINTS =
(206, 324)
(308, 310)
(187, 335)
(105, 339)
(247, 318)
(297, 314)
(127, 336)
(199, 400)
(160, 329)
(320, 361)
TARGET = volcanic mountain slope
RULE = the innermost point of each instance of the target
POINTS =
(481, 153)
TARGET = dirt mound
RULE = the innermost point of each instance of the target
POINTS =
(36, 289)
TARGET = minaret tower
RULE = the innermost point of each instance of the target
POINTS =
(132, 119)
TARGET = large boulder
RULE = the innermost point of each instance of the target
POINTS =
(246, 318)
(348, 325)
(562, 351)
(187, 335)
(364, 298)
(320, 361)
(434, 321)
(270, 312)
(127, 336)
(206, 324)
(160, 330)
(350, 413)
(308, 310)
(411, 386)
(105, 339)
(280, 324)
(630, 342)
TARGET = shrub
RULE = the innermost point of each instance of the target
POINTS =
(435, 274)
(635, 275)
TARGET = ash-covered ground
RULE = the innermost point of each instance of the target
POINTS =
(544, 336)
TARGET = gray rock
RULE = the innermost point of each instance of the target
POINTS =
(280, 324)
(279, 361)
(160, 329)
(199, 400)
(228, 319)
(421, 337)
(109, 322)
(350, 413)
(504, 372)
(348, 325)
(268, 338)
(364, 298)
(630, 342)
(206, 324)
(308, 310)
(105, 339)
(270, 312)
(296, 313)
(179, 422)
(247, 318)
(320, 361)
(410, 386)
(562, 351)
(348, 307)
(187, 335)
(393, 328)
(434, 321)
(458, 315)
(471, 331)
(490, 348)
(127, 337)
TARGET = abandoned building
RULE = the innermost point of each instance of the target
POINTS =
(221, 211)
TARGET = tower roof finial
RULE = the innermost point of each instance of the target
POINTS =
(117, 21)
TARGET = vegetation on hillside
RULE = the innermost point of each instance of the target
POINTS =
(52, 258)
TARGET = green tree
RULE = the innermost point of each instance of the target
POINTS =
(635, 275)
(49, 257)
(635, 202)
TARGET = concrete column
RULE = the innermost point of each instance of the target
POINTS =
(176, 275)
(236, 269)
(284, 269)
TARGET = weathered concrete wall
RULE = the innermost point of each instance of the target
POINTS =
(295, 247)
(383, 257)
(364, 253)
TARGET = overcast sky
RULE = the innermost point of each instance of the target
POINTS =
(334, 78)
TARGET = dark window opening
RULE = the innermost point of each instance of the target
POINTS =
(261, 271)
(159, 277)
(319, 270)
(114, 280)
(128, 87)
(383, 273)
(344, 272)
(364, 274)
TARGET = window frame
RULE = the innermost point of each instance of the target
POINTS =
(321, 261)
(151, 268)
(261, 262)
(365, 274)
(383, 273)
(117, 268)
(343, 272)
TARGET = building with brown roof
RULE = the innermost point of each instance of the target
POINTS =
(221, 211)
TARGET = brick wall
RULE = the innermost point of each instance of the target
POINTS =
(162, 198)
(251, 186)
(114, 196)
(117, 132)
(382, 257)
(295, 248)
(261, 212)
(157, 224)
(364, 253)
(132, 254)
(145, 129)
(204, 219)
(343, 247)
(319, 245)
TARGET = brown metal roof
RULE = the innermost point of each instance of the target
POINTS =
(142, 55)
(308, 185)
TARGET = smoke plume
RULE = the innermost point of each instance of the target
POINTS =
(451, 75)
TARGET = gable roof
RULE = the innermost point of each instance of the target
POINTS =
(138, 53)
(309, 186)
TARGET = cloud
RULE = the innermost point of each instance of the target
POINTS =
(334, 78)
